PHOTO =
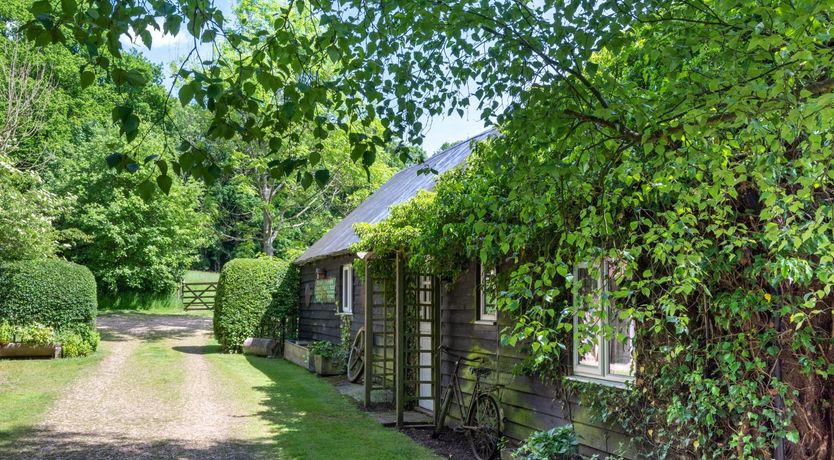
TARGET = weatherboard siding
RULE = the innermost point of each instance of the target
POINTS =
(528, 403)
(320, 321)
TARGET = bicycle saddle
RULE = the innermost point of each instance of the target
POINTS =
(481, 371)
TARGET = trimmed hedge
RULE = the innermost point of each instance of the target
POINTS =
(244, 295)
(52, 292)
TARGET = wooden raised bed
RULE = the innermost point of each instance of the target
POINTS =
(324, 366)
(21, 350)
(296, 351)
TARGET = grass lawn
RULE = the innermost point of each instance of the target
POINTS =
(29, 387)
(305, 416)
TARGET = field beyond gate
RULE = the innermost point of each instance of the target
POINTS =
(198, 295)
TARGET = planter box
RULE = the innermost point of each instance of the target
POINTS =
(20, 350)
(295, 351)
(325, 366)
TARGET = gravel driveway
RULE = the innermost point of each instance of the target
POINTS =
(153, 396)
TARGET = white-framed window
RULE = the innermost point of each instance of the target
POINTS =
(347, 289)
(487, 302)
(602, 340)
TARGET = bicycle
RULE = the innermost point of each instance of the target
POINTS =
(483, 413)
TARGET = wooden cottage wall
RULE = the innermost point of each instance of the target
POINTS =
(528, 403)
(320, 321)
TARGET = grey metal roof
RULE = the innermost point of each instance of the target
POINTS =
(402, 187)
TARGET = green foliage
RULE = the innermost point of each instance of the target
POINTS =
(244, 295)
(56, 293)
(557, 443)
(35, 334)
(26, 216)
(82, 342)
(129, 243)
(6, 333)
(284, 304)
(323, 348)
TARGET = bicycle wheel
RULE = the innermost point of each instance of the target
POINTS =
(356, 359)
(484, 426)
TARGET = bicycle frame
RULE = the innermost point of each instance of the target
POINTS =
(454, 390)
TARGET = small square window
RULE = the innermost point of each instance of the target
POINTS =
(602, 339)
(347, 289)
(487, 299)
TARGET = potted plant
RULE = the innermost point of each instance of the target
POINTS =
(324, 356)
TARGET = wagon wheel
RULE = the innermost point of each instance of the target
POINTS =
(356, 359)
(485, 426)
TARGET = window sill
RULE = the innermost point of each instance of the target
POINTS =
(486, 322)
(344, 313)
(621, 384)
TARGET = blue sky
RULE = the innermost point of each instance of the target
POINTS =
(167, 49)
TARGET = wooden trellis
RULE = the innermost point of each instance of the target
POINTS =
(198, 295)
(401, 352)
(379, 333)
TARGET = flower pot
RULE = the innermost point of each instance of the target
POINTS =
(326, 366)
(22, 350)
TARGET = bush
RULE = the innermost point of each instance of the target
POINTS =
(246, 293)
(55, 293)
(76, 344)
(33, 334)
(323, 348)
(557, 443)
(48, 301)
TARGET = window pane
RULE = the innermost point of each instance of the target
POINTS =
(489, 306)
(592, 356)
(620, 346)
(585, 294)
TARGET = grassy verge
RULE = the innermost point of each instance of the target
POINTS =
(28, 388)
(305, 417)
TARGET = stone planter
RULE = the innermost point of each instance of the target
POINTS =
(21, 350)
(325, 366)
(295, 351)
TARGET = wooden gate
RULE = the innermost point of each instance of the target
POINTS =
(198, 296)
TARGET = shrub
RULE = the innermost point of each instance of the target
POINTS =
(36, 334)
(6, 333)
(323, 348)
(246, 290)
(55, 293)
(557, 443)
(82, 343)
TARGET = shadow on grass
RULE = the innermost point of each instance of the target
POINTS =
(198, 350)
(48, 444)
(310, 419)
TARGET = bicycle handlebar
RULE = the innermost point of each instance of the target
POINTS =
(460, 357)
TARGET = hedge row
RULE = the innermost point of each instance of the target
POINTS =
(53, 293)
(250, 291)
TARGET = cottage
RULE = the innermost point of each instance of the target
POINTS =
(419, 327)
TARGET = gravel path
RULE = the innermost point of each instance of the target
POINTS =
(152, 396)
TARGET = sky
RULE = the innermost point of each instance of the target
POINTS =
(167, 49)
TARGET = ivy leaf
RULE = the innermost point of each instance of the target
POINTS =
(69, 7)
(87, 78)
(41, 7)
(164, 183)
(114, 159)
(146, 189)
(322, 177)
